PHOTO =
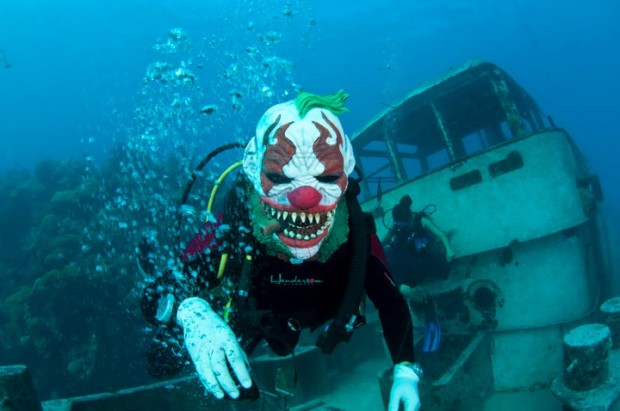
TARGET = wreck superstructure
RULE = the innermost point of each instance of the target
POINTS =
(518, 201)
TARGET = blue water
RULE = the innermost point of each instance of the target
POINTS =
(74, 79)
(77, 67)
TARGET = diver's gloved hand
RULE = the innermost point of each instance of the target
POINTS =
(211, 344)
(404, 389)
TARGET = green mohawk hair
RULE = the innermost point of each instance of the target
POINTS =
(333, 102)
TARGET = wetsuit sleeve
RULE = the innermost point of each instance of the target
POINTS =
(166, 355)
(393, 311)
(194, 279)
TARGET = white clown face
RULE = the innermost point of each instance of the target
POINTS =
(300, 169)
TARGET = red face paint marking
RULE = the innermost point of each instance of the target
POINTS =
(276, 156)
(330, 155)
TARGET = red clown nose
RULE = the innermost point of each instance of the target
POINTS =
(304, 197)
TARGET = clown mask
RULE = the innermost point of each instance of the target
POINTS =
(299, 162)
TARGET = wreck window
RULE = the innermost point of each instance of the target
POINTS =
(528, 125)
(505, 129)
(374, 159)
(473, 142)
(474, 117)
(408, 155)
(488, 135)
(438, 159)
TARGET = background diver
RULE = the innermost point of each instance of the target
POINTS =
(418, 250)
(288, 255)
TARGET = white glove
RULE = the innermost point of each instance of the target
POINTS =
(404, 389)
(211, 343)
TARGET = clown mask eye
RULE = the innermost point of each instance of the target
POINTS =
(328, 178)
(276, 178)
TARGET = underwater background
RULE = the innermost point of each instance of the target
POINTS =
(105, 108)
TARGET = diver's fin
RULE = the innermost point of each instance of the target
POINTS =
(437, 337)
(432, 329)
(432, 337)
(427, 338)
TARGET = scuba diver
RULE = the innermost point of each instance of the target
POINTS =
(418, 250)
(292, 250)
(411, 242)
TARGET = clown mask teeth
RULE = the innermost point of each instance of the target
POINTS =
(302, 226)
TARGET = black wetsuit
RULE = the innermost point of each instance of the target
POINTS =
(283, 298)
